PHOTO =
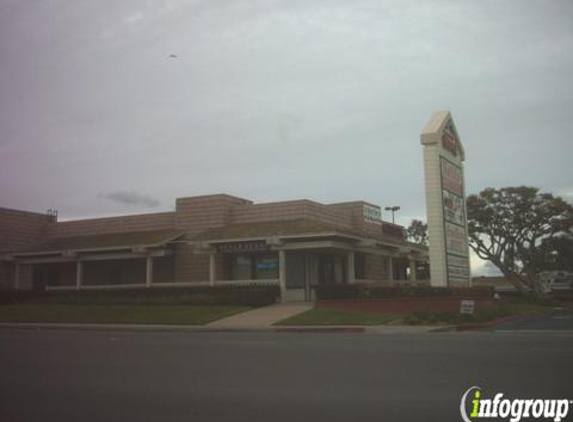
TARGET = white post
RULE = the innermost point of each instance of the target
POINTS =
(212, 269)
(17, 276)
(282, 274)
(412, 265)
(149, 271)
(79, 274)
(350, 268)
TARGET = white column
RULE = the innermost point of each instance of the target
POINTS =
(212, 269)
(390, 269)
(17, 276)
(149, 271)
(79, 274)
(282, 274)
(350, 268)
(412, 265)
(306, 276)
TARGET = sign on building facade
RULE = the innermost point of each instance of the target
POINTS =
(372, 214)
(445, 202)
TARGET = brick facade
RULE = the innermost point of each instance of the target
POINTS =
(18, 229)
(192, 216)
(376, 267)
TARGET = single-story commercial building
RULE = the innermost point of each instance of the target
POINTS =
(207, 241)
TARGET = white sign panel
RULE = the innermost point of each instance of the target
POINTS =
(467, 307)
(456, 239)
(454, 211)
(372, 214)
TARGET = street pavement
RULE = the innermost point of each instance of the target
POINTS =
(89, 375)
(559, 320)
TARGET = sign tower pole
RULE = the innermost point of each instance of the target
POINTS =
(445, 202)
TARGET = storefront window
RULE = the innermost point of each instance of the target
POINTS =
(242, 267)
(332, 269)
(266, 267)
(255, 267)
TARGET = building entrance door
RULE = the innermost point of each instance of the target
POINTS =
(331, 269)
(301, 276)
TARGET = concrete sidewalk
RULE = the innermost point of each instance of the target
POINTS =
(261, 317)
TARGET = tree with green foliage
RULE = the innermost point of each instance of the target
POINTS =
(417, 232)
(559, 253)
(520, 230)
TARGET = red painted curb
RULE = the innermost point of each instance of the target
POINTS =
(320, 330)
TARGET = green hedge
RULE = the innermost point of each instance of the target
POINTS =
(244, 295)
(373, 291)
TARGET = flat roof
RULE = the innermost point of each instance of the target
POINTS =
(110, 241)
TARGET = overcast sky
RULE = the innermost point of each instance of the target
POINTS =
(119, 107)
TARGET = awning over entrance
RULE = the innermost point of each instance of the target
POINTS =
(302, 234)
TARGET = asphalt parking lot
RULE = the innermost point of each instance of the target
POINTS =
(95, 375)
(559, 320)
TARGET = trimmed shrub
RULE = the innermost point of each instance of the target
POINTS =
(246, 295)
(373, 291)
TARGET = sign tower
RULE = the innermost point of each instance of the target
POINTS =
(446, 202)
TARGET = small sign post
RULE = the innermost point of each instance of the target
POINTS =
(467, 307)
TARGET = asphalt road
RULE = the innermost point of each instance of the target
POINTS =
(81, 375)
(559, 320)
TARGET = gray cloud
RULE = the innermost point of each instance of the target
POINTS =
(131, 198)
(276, 100)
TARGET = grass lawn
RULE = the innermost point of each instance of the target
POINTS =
(500, 310)
(321, 316)
(126, 314)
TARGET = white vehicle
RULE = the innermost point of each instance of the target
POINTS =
(556, 280)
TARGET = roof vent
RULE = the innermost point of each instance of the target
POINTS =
(52, 215)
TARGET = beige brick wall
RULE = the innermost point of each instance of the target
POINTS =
(163, 269)
(375, 267)
(354, 211)
(189, 266)
(194, 215)
(200, 213)
(18, 229)
(288, 210)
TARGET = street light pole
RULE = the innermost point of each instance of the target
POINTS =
(393, 209)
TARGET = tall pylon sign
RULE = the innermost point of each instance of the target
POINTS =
(446, 202)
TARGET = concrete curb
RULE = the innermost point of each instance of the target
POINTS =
(355, 329)
(495, 322)
(322, 329)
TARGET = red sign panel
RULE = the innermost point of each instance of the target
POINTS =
(393, 230)
(452, 178)
(449, 139)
